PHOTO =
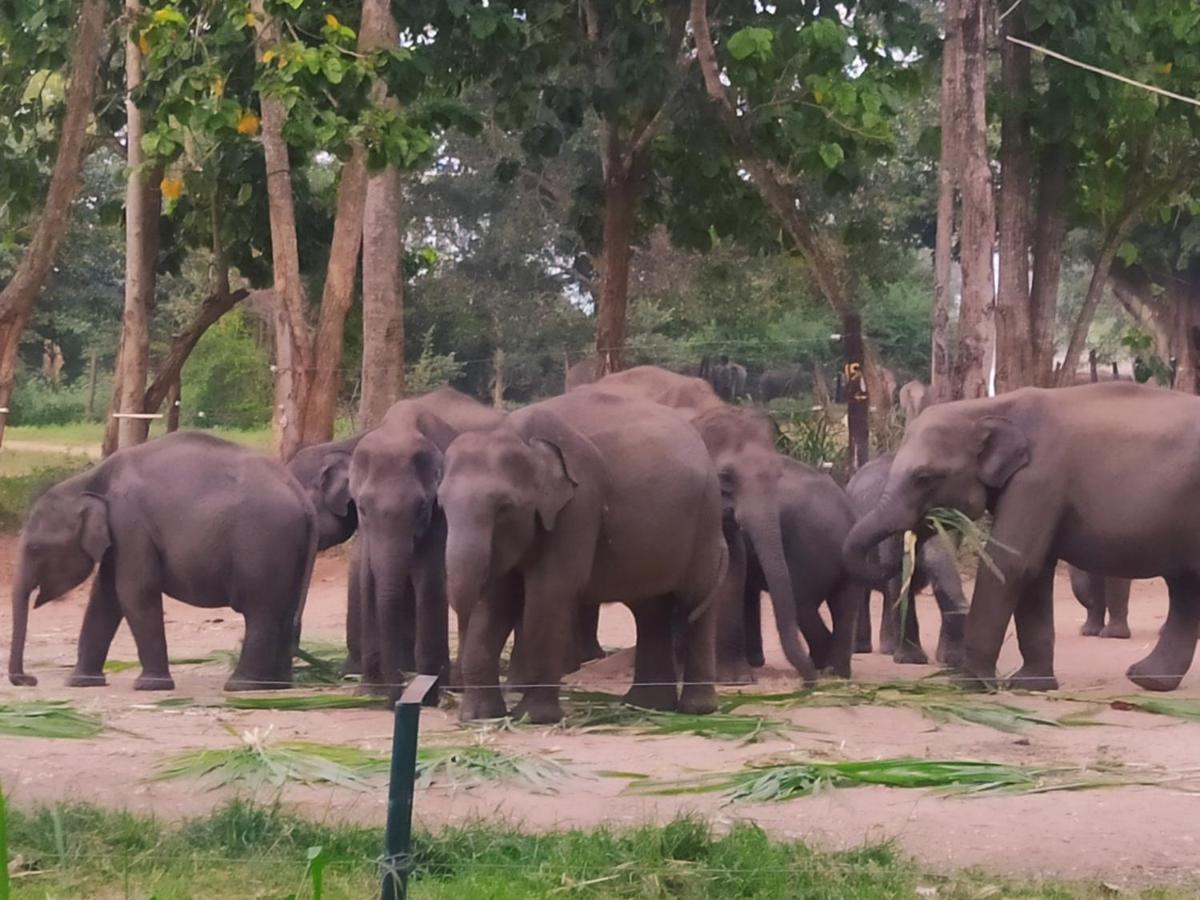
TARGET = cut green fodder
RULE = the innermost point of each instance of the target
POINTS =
(606, 713)
(48, 719)
(459, 767)
(787, 779)
(321, 663)
(935, 700)
(303, 702)
(1187, 708)
(258, 761)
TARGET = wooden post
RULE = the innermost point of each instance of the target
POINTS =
(1116, 374)
(857, 401)
(1092, 365)
(839, 392)
(91, 407)
(173, 406)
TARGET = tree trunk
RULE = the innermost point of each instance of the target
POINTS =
(1014, 331)
(1181, 297)
(22, 289)
(108, 443)
(173, 395)
(1049, 233)
(382, 257)
(19, 295)
(975, 320)
(292, 339)
(498, 384)
(620, 215)
(948, 175)
(336, 299)
(93, 359)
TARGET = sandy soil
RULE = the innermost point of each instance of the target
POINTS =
(1122, 835)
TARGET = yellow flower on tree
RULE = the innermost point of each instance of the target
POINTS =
(247, 123)
(143, 43)
(331, 20)
(218, 86)
(172, 188)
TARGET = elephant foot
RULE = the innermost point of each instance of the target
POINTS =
(146, 682)
(735, 672)
(910, 655)
(887, 645)
(971, 681)
(653, 696)
(1091, 628)
(20, 679)
(351, 665)
(1027, 679)
(698, 699)
(539, 710)
(755, 658)
(950, 653)
(1146, 675)
(454, 680)
(1118, 630)
(591, 653)
(482, 704)
(82, 680)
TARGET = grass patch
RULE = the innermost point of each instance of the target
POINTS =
(302, 702)
(785, 780)
(457, 767)
(605, 713)
(47, 719)
(320, 663)
(18, 491)
(936, 700)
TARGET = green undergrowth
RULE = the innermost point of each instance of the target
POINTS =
(248, 850)
(17, 491)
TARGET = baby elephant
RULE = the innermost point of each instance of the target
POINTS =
(189, 515)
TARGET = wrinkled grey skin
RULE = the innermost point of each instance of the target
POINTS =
(741, 442)
(572, 502)
(394, 475)
(323, 470)
(935, 565)
(188, 515)
(815, 517)
(1065, 474)
(1100, 596)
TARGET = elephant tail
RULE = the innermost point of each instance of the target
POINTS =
(714, 592)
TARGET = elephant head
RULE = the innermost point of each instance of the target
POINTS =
(323, 470)
(742, 444)
(954, 455)
(65, 535)
(502, 489)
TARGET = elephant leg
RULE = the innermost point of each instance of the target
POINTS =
(354, 618)
(732, 666)
(1116, 600)
(588, 634)
(889, 618)
(259, 665)
(654, 676)
(488, 627)
(371, 641)
(1034, 616)
(845, 605)
(909, 650)
(1089, 591)
(987, 623)
(862, 630)
(547, 623)
(432, 608)
(1172, 656)
(752, 606)
(141, 604)
(100, 623)
(942, 569)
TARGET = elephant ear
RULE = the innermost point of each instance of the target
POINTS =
(1003, 450)
(555, 487)
(566, 457)
(94, 534)
(335, 484)
(436, 430)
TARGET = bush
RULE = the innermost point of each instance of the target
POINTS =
(227, 379)
(17, 492)
(37, 402)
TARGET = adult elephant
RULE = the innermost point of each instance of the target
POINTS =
(741, 442)
(393, 479)
(189, 515)
(775, 383)
(575, 501)
(1105, 476)
(935, 565)
(1102, 596)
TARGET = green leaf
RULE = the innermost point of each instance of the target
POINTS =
(751, 42)
(1127, 253)
(334, 69)
(832, 154)
(243, 194)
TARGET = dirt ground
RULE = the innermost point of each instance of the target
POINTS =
(1126, 835)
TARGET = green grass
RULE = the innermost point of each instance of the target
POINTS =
(4, 888)
(47, 719)
(246, 850)
(606, 713)
(17, 490)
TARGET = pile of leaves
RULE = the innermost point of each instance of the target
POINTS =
(47, 719)
(606, 713)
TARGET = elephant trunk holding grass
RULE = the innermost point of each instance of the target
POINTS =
(575, 501)
(1104, 476)
(188, 515)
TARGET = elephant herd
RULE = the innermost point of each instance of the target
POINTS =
(644, 488)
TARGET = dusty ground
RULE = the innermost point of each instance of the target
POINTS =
(1122, 835)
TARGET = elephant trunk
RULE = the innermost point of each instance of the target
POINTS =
(468, 565)
(389, 564)
(766, 536)
(22, 588)
(887, 518)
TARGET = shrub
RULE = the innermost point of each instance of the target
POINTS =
(37, 402)
(227, 379)
(17, 492)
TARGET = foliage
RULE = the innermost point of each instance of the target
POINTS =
(1187, 708)
(17, 492)
(1146, 363)
(227, 379)
(38, 402)
(606, 713)
(432, 369)
(810, 436)
(48, 719)
(456, 767)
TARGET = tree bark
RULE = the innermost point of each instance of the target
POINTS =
(620, 215)
(975, 320)
(21, 292)
(336, 299)
(1014, 329)
(498, 379)
(948, 175)
(1049, 233)
(293, 351)
(173, 394)
(93, 359)
(382, 256)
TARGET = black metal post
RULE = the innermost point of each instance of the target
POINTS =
(857, 402)
(397, 858)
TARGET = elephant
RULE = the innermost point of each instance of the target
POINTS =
(914, 397)
(1104, 476)
(741, 442)
(728, 378)
(1100, 595)
(189, 515)
(392, 482)
(578, 500)
(935, 565)
(774, 383)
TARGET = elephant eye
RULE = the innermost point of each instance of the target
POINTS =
(924, 476)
